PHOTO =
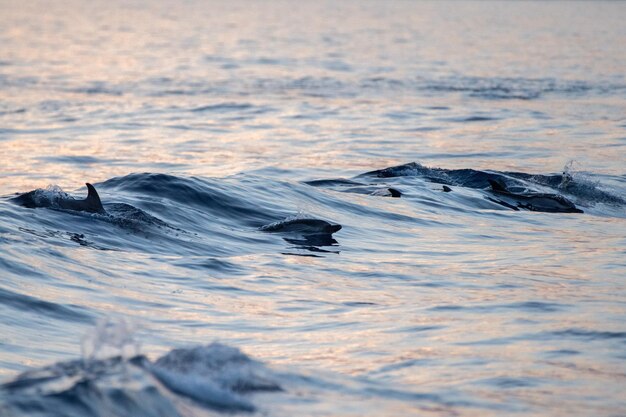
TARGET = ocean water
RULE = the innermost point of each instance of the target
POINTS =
(202, 122)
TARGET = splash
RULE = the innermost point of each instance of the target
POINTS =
(572, 171)
(50, 195)
(112, 337)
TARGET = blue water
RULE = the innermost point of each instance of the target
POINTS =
(201, 123)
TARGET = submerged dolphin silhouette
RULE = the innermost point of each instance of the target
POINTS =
(387, 192)
(34, 199)
(551, 203)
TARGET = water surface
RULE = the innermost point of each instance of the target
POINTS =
(201, 122)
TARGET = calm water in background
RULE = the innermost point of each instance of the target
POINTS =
(210, 117)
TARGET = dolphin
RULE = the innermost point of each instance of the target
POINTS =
(303, 227)
(37, 198)
(551, 203)
(306, 233)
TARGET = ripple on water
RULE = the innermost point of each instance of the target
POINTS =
(26, 303)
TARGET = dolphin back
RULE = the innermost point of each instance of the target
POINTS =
(497, 186)
(43, 198)
(302, 226)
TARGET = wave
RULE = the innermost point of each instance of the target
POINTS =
(509, 88)
(574, 184)
(189, 381)
(163, 213)
(489, 88)
(23, 302)
(215, 376)
(210, 196)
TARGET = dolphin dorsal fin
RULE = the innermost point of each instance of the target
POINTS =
(498, 186)
(93, 199)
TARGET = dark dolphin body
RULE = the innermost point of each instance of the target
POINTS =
(302, 227)
(37, 198)
(307, 233)
(551, 203)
